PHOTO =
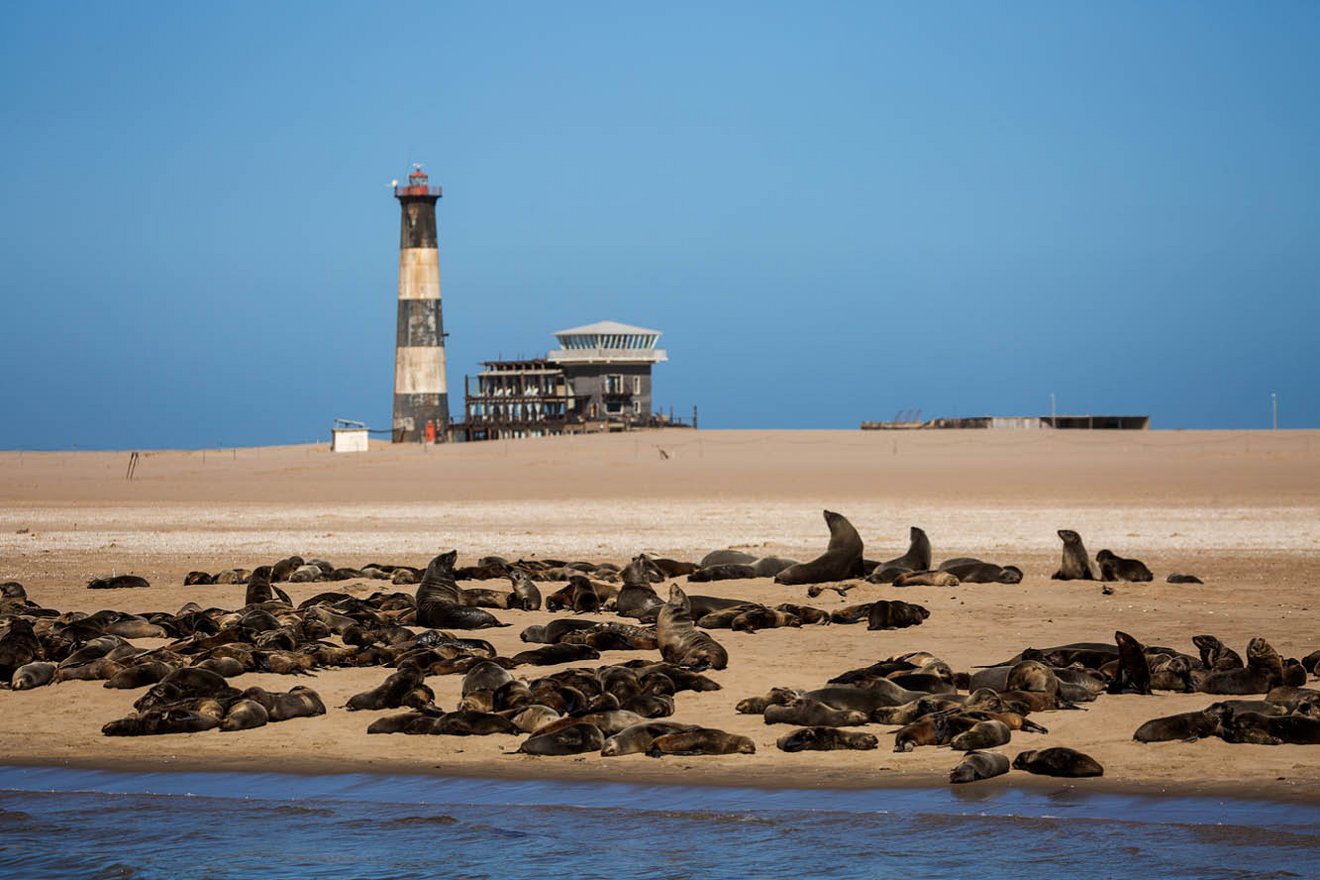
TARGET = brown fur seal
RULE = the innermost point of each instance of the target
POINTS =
(726, 557)
(36, 674)
(926, 579)
(917, 558)
(571, 740)
(1271, 730)
(727, 572)
(702, 741)
(891, 614)
(18, 647)
(1215, 655)
(245, 715)
(637, 598)
(1184, 726)
(551, 655)
(982, 735)
(636, 739)
(1264, 670)
(681, 643)
(1180, 578)
(1058, 761)
(976, 571)
(1133, 667)
(525, 595)
(120, 582)
(1116, 568)
(389, 694)
(978, 765)
(1076, 564)
(160, 721)
(438, 601)
(841, 560)
(813, 713)
(825, 739)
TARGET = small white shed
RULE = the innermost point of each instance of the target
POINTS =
(348, 436)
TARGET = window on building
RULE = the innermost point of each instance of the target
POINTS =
(614, 384)
(637, 407)
(614, 406)
(637, 384)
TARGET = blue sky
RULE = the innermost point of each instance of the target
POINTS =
(833, 214)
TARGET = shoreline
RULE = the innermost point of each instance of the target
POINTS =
(760, 778)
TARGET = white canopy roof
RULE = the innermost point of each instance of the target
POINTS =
(604, 327)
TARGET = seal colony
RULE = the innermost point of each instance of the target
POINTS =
(634, 705)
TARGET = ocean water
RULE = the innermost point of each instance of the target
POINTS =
(57, 823)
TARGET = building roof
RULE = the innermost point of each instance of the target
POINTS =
(606, 327)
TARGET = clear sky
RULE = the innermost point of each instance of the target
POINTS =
(833, 211)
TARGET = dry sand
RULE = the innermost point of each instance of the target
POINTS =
(1240, 509)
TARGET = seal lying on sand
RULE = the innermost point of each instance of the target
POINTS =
(681, 643)
(979, 765)
(702, 741)
(825, 739)
(1058, 761)
(977, 571)
(842, 559)
(1116, 568)
(1076, 565)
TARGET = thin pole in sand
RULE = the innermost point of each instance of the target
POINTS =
(1274, 405)
(1053, 422)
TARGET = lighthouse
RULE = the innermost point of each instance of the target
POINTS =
(421, 399)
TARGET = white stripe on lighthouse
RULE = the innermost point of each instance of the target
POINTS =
(419, 370)
(419, 273)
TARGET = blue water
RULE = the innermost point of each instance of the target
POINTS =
(60, 823)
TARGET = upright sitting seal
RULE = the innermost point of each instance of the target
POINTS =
(1076, 565)
(438, 600)
(842, 558)
(637, 598)
(917, 558)
(1116, 568)
(681, 643)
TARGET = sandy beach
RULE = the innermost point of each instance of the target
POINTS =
(1239, 509)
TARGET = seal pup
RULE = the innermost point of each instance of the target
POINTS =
(1185, 726)
(637, 598)
(701, 741)
(1181, 578)
(36, 674)
(1116, 568)
(893, 614)
(681, 643)
(841, 560)
(978, 765)
(1058, 761)
(826, 739)
(389, 694)
(725, 572)
(1076, 564)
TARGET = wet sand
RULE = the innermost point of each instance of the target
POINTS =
(1242, 510)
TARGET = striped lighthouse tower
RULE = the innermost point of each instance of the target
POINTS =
(421, 399)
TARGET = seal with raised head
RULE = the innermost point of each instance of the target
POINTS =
(979, 765)
(637, 598)
(1133, 667)
(841, 560)
(917, 558)
(1058, 761)
(1076, 565)
(439, 603)
(681, 643)
(1116, 568)
(1264, 670)
(525, 595)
